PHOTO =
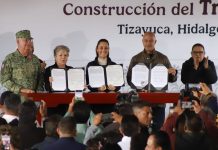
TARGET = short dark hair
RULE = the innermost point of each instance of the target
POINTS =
(12, 102)
(27, 112)
(162, 139)
(67, 125)
(93, 144)
(109, 137)
(4, 95)
(130, 125)
(194, 123)
(51, 125)
(110, 146)
(139, 105)
(198, 45)
(125, 109)
(81, 111)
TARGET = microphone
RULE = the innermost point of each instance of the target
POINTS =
(150, 56)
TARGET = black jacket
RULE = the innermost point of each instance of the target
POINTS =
(191, 141)
(30, 135)
(95, 63)
(190, 75)
(48, 74)
(65, 143)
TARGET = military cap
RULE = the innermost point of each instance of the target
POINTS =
(24, 34)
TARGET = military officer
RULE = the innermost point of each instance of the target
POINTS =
(20, 74)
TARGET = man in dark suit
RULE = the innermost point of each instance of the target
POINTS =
(67, 131)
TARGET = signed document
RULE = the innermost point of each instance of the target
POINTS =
(58, 80)
(76, 79)
(96, 76)
(159, 76)
(115, 75)
(140, 74)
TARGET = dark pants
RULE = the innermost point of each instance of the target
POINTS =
(158, 117)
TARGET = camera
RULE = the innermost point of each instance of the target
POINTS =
(187, 97)
(186, 104)
(125, 98)
(106, 118)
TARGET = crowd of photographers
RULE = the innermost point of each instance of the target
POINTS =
(129, 127)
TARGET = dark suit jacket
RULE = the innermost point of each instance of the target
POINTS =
(66, 143)
(48, 141)
(30, 135)
(190, 75)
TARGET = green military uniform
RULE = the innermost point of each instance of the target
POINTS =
(20, 72)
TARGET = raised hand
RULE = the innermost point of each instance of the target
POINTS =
(205, 89)
(102, 88)
(206, 62)
(111, 87)
(172, 71)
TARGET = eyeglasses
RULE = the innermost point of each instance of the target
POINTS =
(197, 52)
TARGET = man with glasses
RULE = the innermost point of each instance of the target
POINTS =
(198, 68)
(20, 74)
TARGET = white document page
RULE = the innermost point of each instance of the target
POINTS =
(115, 75)
(76, 79)
(96, 76)
(140, 75)
(59, 79)
(159, 76)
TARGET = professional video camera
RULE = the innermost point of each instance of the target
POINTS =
(122, 99)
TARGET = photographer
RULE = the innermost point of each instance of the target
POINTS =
(208, 120)
(122, 107)
(172, 125)
(83, 115)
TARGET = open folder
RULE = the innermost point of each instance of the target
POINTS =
(68, 80)
(111, 75)
(153, 79)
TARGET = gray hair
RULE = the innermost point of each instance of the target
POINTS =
(60, 48)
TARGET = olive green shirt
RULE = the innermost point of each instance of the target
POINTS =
(21, 72)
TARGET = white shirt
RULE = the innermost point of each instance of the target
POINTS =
(102, 61)
(9, 118)
(125, 143)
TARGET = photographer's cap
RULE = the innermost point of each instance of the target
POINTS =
(24, 34)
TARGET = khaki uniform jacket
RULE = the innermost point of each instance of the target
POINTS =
(21, 72)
